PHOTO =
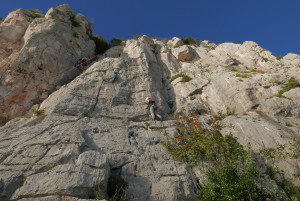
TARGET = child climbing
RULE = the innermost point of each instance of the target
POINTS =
(152, 108)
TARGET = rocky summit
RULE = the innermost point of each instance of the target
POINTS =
(70, 136)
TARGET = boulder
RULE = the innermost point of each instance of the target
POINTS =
(184, 53)
(175, 42)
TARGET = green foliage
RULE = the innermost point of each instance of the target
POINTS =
(277, 175)
(101, 43)
(288, 124)
(243, 75)
(97, 193)
(87, 115)
(94, 167)
(295, 149)
(230, 182)
(115, 42)
(220, 115)
(38, 112)
(47, 168)
(195, 143)
(233, 69)
(279, 57)
(1, 19)
(281, 151)
(75, 21)
(185, 78)
(234, 175)
(189, 41)
(116, 187)
(292, 83)
(33, 13)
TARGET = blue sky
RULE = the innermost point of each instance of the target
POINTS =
(273, 24)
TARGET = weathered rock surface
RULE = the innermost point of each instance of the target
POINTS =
(97, 126)
(36, 50)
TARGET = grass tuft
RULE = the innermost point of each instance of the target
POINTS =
(185, 78)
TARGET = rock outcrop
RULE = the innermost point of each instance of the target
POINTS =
(36, 50)
(97, 126)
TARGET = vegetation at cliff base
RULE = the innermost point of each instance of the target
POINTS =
(233, 174)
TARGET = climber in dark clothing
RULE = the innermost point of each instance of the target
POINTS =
(152, 108)
(81, 63)
(78, 65)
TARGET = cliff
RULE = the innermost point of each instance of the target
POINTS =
(96, 126)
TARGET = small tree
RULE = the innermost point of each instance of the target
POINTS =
(189, 41)
(115, 42)
(101, 43)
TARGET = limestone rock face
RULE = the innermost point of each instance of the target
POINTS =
(97, 126)
(35, 53)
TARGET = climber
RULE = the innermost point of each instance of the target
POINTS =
(79, 66)
(152, 108)
(84, 60)
(81, 63)
(171, 104)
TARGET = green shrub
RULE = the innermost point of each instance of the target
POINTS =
(189, 41)
(243, 75)
(220, 115)
(288, 124)
(75, 21)
(38, 112)
(233, 175)
(279, 57)
(292, 190)
(185, 78)
(101, 43)
(97, 193)
(115, 42)
(34, 13)
(1, 19)
(291, 84)
(195, 144)
(230, 182)
(116, 187)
